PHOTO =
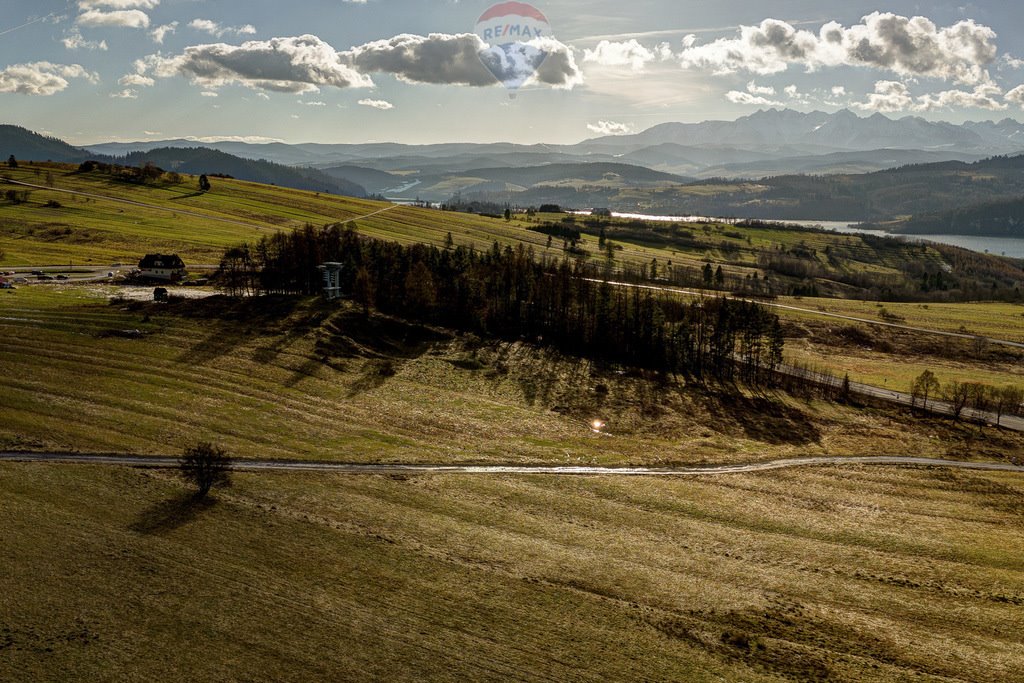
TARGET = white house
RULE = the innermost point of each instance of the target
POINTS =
(167, 267)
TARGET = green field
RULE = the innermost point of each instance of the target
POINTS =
(987, 319)
(200, 226)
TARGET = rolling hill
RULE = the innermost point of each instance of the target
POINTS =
(24, 144)
(879, 196)
(991, 219)
(197, 160)
(27, 145)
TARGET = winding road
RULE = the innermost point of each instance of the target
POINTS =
(268, 465)
(1011, 422)
(811, 311)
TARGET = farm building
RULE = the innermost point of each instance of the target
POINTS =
(168, 267)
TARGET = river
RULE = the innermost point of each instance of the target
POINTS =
(1000, 246)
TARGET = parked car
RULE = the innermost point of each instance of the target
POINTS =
(44, 278)
(37, 272)
(62, 277)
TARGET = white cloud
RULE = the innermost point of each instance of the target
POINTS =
(306, 63)
(314, 103)
(885, 41)
(628, 53)
(437, 58)
(559, 68)
(297, 65)
(610, 128)
(73, 40)
(118, 4)
(209, 93)
(251, 139)
(893, 96)
(160, 32)
(122, 18)
(41, 78)
(985, 96)
(126, 94)
(755, 89)
(889, 96)
(738, 97)
(215, 29)
(383, 105)
(838, 91)
(135, 80)
(1016, 96)
(1011, 62)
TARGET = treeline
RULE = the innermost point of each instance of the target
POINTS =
(983, 398)
(992, 219)
(512, 294)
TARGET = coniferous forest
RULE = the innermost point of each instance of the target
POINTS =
(510, 293)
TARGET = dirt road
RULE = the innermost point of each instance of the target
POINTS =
(266, 465)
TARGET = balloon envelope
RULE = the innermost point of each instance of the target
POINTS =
(508, 28)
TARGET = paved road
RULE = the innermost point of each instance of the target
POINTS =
(1011, 422)
(264, 465)
(811, 311)
(180, 212)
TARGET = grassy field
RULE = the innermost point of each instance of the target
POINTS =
(994, 320)
(199, 226)
(293, 378)
(832, 574)
(112, 574)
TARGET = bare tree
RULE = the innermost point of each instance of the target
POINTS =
(979, 396)
(957, 394)
(1006, 401)
(926, 384)
(205, 466)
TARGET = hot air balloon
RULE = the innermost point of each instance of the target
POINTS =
(511, 31)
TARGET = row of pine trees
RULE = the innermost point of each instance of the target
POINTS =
(510, 293)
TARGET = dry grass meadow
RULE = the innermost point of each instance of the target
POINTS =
(118, 574)
(840, 574)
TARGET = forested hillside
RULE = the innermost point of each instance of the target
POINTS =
(199, 160)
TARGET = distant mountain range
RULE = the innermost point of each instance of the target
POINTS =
(774, 164)
(766, 143)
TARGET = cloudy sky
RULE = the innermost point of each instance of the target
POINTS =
(411, 70)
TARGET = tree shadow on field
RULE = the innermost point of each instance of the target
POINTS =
(766, 420)
(168, 515)
(233, 322)
(187, 196)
